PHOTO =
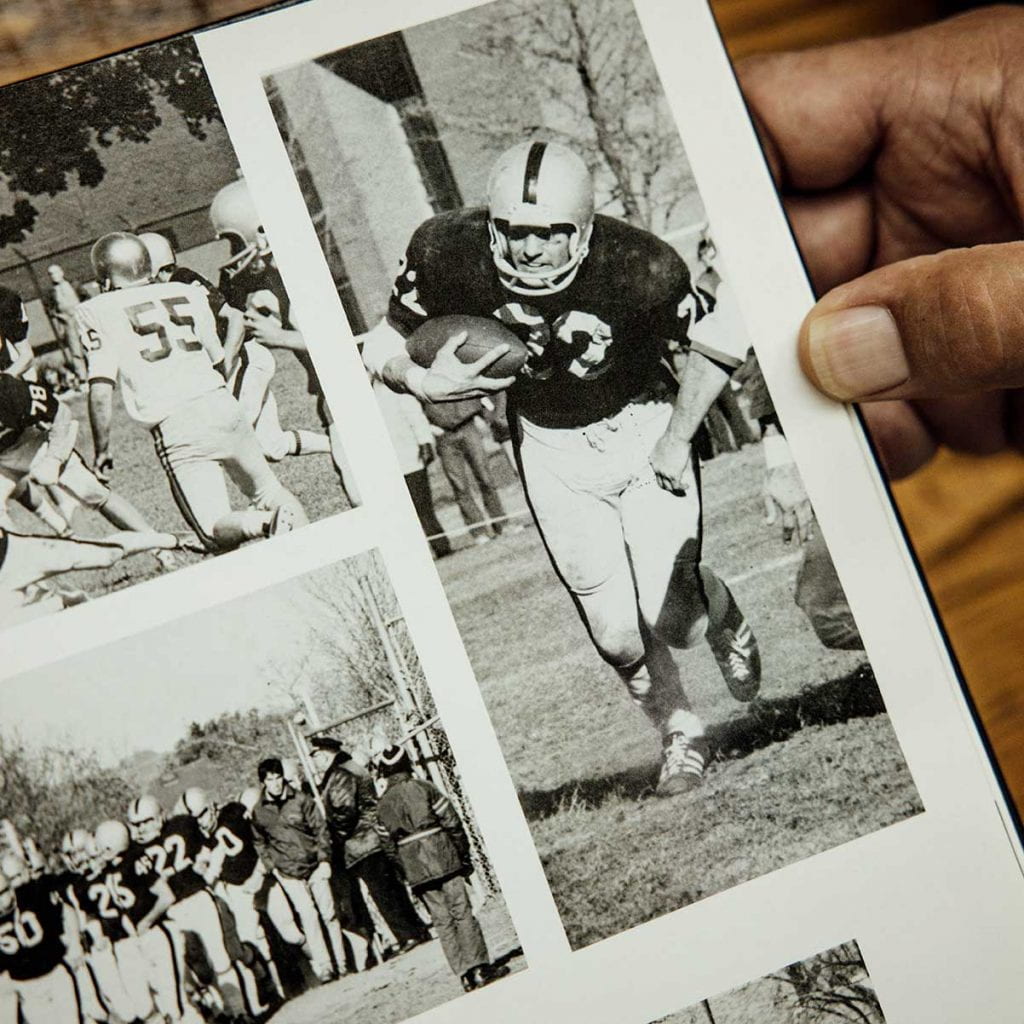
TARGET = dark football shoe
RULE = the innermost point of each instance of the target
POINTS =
(735, 649)
(683, 760)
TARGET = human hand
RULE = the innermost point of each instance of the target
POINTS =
(449, 378)
(266, 328)
(901, 161)
(670, 460)
(321, 871)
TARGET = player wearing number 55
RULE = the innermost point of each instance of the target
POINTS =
(159, 342)
(603, 413)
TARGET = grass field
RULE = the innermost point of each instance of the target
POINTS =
(812, 764)
(138, 476)
(403, 987)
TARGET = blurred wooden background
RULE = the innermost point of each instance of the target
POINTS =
(965, 516)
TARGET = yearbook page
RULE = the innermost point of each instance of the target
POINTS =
(430, 589)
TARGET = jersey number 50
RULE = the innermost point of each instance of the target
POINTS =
(168, 325)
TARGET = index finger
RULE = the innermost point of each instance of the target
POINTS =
(488, 359)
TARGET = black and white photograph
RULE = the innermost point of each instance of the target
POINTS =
(663, 644)
(275, 830)
(158, 401)
(829, 988)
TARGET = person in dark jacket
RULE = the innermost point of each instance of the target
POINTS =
(420, 830)
(292, 840)
(350, 799)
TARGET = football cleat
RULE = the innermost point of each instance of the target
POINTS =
(735, 649)
(683, 760)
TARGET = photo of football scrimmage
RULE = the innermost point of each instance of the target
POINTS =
(831, 987)
(157, 401)
(278, 835)
(662, 642)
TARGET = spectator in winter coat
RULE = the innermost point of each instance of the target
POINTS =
(350, 799)
(421, 832)
(292, 840)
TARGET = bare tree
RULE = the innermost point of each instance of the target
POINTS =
(833, 986)
(586, 76)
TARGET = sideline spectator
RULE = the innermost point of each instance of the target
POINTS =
(421, 832)
(292, 840)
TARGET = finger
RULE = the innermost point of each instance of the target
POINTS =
(804, 522)
(951, 323)
(975, 424)
(902, 439)
(454, 343)
(488, 359)
(817, 111)
(835, 234)
(488, 385)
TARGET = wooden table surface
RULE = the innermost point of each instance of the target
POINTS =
(965, 515)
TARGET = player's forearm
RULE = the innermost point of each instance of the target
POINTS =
(23, 362)
(234, 335)
(63, 434)
(700, 383)
(100, 415)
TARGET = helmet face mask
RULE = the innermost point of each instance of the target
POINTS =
(145, 820)
(236, 220)
(544, 190)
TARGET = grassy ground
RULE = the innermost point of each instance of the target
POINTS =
(403, 987)
(814, 763)
(138, 476)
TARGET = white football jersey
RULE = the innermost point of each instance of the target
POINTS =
(159, 341)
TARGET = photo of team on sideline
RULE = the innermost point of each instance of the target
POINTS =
(150, 344)
(180, 913)
(292, 845)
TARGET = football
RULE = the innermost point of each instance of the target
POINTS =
(483, 335)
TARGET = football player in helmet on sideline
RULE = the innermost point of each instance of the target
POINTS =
(159, 340)
(604, 415)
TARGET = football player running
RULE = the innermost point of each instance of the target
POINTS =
(159, 341)
(603, 416)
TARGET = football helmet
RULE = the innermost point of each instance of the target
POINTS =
(199, 805)
(161, 253)
(119, 259)
(15, 870)
(234, 217)
(112, 839)
(145, 819)
(539, 184)
(74, 847)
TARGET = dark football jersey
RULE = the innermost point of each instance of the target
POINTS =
(602, 341)
(213, 294)
(32, 935)
(262, 283)
(174, 855)
(23, 404)
(130, 880)
(233, 835)
(96, 897)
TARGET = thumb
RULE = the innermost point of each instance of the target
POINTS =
(951, 323)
